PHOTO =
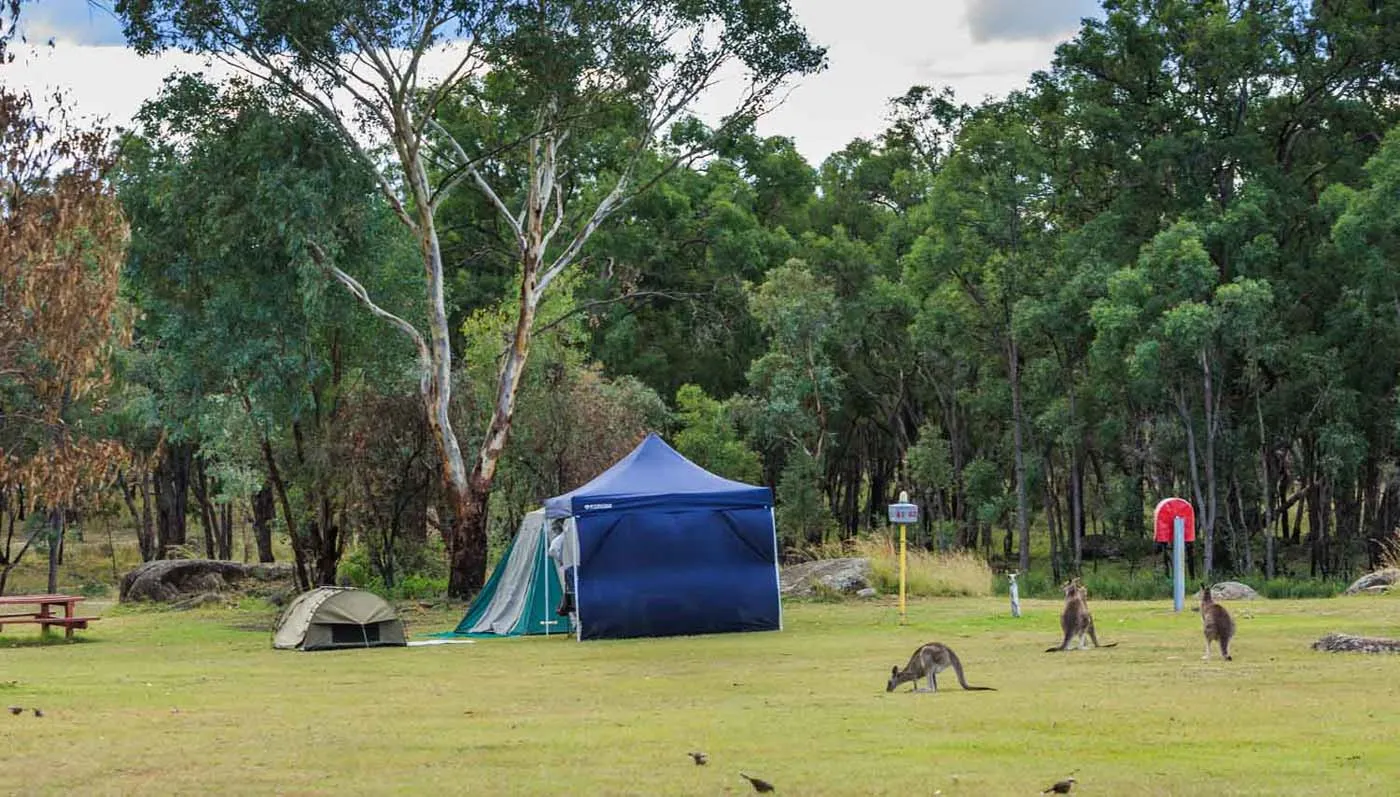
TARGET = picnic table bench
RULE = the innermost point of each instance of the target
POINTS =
(45, 617)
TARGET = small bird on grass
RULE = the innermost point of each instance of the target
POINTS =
(16, 709)
(700, 758)
(759, 784)
(38, 713)
(1062, 787)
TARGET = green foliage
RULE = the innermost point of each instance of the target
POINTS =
(424, 579)
(796, 381)
(802, 515)
(238, 201)
(930, 460)
(1302, 588)
(708, 438)
(1165, 267)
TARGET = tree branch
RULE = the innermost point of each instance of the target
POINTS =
(481, 183)
(358, 290)
(328, 112)
(586, 306)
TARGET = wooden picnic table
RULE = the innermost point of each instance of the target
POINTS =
(45, 617)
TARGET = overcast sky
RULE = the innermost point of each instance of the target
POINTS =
(877, 48)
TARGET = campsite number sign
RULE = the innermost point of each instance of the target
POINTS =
(904, 513)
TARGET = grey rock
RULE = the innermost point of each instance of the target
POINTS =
(1231, 591)
(1381, 578)
(845, 576)
(1335, 642)
(180, 580)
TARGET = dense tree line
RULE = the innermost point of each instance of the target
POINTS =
(1165, 267)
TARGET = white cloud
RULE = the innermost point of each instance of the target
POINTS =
(880, 48)
(106, 83)
(877, 48)
(1011, 20)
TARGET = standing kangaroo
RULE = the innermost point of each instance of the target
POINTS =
(1075, 619)
(1217, 623)
(930, 660)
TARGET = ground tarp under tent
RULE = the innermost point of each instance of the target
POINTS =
(328, 618)
(523, 593)
(659, 546)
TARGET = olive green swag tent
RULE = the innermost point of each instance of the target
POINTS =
(328, 618)
(524, 590)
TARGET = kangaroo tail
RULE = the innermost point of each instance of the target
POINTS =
(1055, 649)
(1109, 645)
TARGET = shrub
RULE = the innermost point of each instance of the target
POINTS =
(1302, 588)
(928, 574)
(356, 570)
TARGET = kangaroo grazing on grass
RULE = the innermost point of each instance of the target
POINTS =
(930, 660)
(1217, 623)
(1075, 620)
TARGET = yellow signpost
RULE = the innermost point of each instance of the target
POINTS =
(902, 514)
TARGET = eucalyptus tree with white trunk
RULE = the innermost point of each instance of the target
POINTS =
(383, 71)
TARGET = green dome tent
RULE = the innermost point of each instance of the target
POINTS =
(327, 618)
(524, 590)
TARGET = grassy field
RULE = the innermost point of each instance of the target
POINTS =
(198, 702)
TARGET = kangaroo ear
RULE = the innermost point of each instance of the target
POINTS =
(894, 670)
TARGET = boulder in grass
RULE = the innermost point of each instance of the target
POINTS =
(1231, 591)
(1381, 578)
(845, 576)
(177, 581)
(1336, 643)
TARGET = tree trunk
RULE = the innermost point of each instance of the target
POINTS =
(1212, 424)
(1184, 411)
(468, 549)
(1244, 545)
(966, 525)
(326, 537)
(1022, 510)
(1051, 513)
(1267, 522)
(1076, 492)
(145, 533)
(263, 512)
(172, 480)
(466, 543)
(468, 555)
(56, 548)
(206, 507)
(304, 581)
(14, 511)
(223, 539)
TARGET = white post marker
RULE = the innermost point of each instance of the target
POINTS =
(1178, 563)
(1015, 597)
(903, 514)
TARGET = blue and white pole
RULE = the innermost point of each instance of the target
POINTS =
(1178, 563)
